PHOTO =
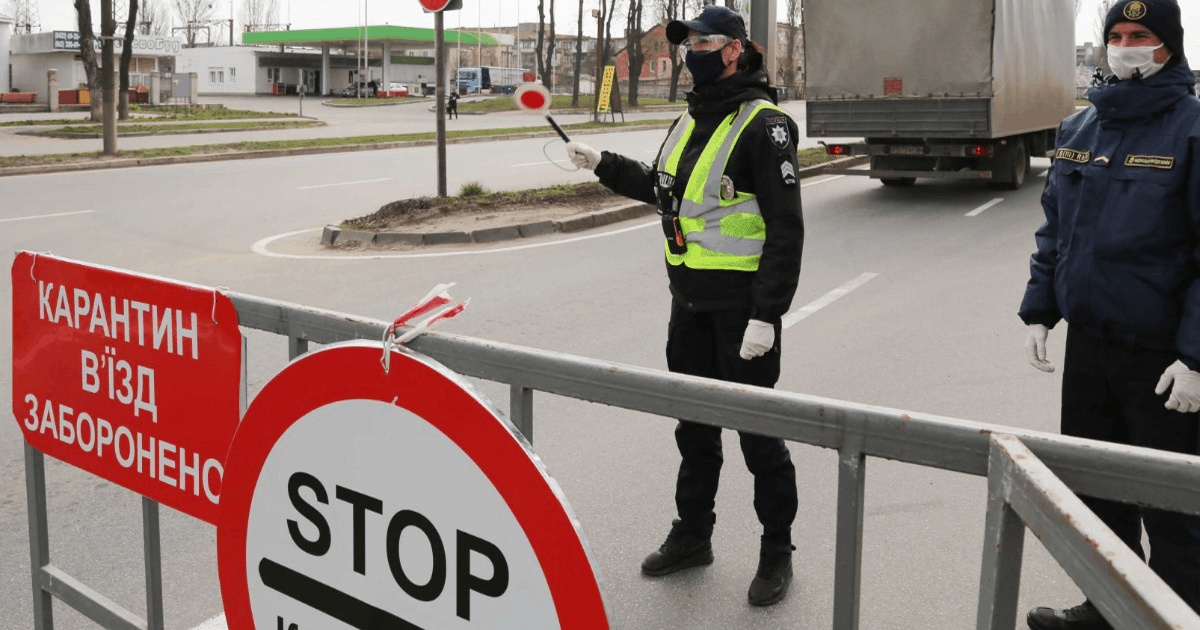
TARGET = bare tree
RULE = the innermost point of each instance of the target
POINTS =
(1102, 12)
(87, 53)
(793, 16)
(154, 18)
(578, 57)
(545, 45)
(260, 15)
(633, 48)
(674, 10)
(126, 57)
(194, 16)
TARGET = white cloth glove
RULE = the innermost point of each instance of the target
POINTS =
(582, 155)
(1185, 393)
(759, 337)
(1035, 347)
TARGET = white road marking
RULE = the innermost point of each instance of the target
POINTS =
(822, 181)
(792, 318)
(980, 209)
(363, 181)
(46, 216)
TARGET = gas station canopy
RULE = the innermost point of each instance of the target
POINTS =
(351, 37)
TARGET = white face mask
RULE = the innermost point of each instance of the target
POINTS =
(1125, 60)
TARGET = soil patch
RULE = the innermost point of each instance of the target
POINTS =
(487, 209)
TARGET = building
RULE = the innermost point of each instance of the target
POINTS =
(35, 54)
(1088, 54)
(6, 29)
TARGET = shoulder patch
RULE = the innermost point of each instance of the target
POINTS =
(1150, 161)
(1071, 155)
(778, 132)
(788, 171)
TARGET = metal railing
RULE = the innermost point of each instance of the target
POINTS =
(1018, 463)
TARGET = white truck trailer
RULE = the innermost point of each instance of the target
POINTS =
(940, 88)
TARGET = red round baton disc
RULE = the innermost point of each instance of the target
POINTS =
(532, 97)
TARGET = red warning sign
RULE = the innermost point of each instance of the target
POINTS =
(133, 378)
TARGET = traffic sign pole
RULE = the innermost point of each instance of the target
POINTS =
(439, 39)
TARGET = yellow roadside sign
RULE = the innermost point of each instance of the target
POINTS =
(605, 89)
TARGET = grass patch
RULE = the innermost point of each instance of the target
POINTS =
(506, 104)
(128, 128)
(472, 189)
(206, 113)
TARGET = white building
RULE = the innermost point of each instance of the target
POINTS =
(6, 29)
(34, 54)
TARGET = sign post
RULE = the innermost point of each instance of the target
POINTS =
(133, 378)
(439, 42)
(362, 498)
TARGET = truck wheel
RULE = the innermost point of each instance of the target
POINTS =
(898, 181)
(1016, 167)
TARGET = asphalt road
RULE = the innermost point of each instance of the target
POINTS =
(932, 330)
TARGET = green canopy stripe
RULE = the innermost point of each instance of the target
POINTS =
(398, 33)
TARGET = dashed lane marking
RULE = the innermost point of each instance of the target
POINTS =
(978, 211)
(361, 181)
(46, 216)
(793, 318)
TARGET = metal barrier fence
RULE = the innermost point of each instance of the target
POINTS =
(1022, 490)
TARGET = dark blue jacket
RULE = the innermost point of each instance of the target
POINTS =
(1119, 253)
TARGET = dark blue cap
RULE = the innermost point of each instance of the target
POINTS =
(1160, 16)
(712, 19)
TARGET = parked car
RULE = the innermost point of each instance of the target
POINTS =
(397, 89)
(365, 89)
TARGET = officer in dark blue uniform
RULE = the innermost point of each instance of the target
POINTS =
(1118, 259)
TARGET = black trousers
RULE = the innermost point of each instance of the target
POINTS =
(707, 344)
(1108, 394)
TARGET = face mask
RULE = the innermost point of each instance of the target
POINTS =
(1125, 61)
(705, 67)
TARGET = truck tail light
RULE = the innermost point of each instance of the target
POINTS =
(837, 149)
(979, 150)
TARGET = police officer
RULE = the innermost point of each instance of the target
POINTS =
(725, 185)
(1117, 259)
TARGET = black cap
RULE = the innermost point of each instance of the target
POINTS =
(712, 19)
(1160, 16)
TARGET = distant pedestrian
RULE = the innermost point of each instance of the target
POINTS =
(452, 105)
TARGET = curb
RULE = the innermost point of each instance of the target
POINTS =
(576, 223)
(333, 235)
(103, 163)
(177, 132)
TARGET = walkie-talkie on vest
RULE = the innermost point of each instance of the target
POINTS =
(668, 209)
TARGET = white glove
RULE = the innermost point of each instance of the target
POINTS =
(1185, 394)
(759, 337)
(582, 155)
(1035, 347)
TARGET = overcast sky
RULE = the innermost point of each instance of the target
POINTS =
(60, 15)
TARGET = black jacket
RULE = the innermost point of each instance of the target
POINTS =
(1119, 253)
(757, 165)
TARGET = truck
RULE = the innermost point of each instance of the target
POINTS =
(946, 89)
(475, 80)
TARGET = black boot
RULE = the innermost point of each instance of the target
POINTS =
(773, 577)
(1082, 617)
(680, 551)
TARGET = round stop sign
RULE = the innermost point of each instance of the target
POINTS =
(436, 5)
(361, 498)
(532, 97)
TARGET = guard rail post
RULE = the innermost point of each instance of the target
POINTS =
(847, 572)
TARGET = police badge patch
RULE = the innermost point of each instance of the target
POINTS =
(777, 130)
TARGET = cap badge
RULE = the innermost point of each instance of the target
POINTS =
(1135, 10)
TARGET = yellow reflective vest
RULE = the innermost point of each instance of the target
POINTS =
(721, 231)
